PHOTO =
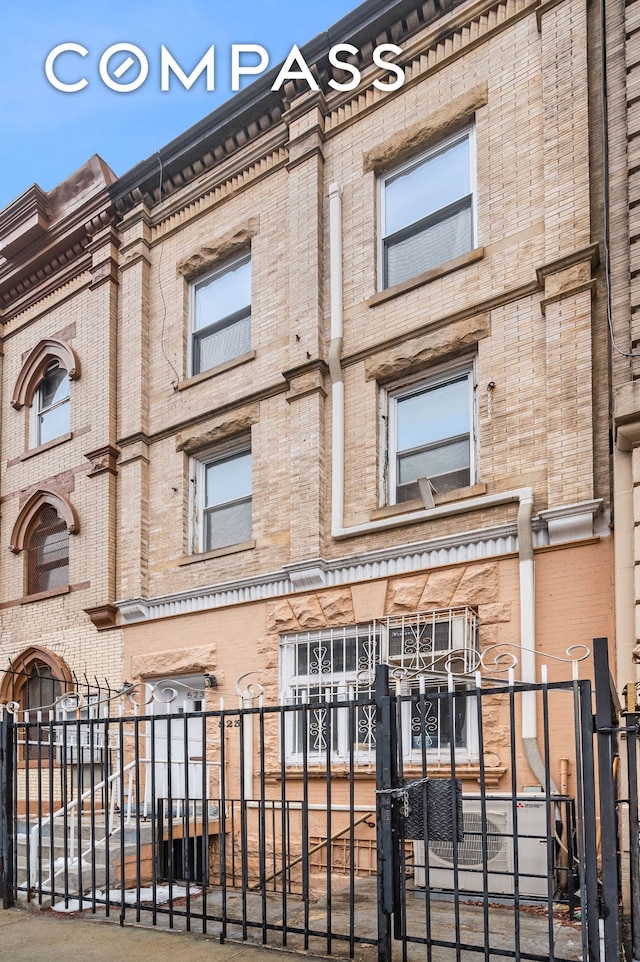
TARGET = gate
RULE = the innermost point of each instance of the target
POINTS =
(406, 816)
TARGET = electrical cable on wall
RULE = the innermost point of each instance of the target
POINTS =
(176, 381)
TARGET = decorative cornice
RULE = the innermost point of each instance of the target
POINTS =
(316, 573)
(24, 221)
(254, 111)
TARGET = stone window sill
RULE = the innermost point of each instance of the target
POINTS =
(32, 452)
(41, 595)
(218, 369)
(447, 268)
(406, 507)
(217, 553)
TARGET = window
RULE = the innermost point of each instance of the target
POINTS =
(223, 487)
(221, 315)
(322, 671)
(320, 667)
(51, 407)
(427, 210)
(40, 691)
(48, 553)
(430, 436)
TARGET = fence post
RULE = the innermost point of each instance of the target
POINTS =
(607, 736)
(386, 779)
(6, 808)
(634, 832)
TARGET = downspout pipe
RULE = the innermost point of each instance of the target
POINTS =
(528, 644)
(335, 353)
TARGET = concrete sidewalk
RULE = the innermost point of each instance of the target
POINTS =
(26, 935)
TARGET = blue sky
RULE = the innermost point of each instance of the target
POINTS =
(47, 134)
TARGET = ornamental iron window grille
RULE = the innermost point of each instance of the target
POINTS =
(331, 672)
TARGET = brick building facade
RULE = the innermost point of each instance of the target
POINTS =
(338, 373)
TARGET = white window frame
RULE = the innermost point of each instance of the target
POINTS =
(388, 410)
(39, 410)
(334, 685)
(198, 470)
(466, 133)
(341, 686)
(221, 323)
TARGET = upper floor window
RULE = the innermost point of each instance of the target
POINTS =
(427, 210)
(224, 495)
(221, 315)
(51, 406)
(47, 552)
(430, 435)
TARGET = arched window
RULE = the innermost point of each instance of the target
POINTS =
(43, 386)
(35, 680)
(47, 552)
(52, 406)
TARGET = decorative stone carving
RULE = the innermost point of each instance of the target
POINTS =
(103, 616)
(102, 459)
(207, 256)
(438, 125)
(31, 508)
(230, 425)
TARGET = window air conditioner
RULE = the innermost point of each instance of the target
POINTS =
(531, 841)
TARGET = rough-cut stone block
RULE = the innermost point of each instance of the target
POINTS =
(404, 594)
(280, 617)
(478, 585)
(419, 352)
(308, 611)
(337, 607)
(440, 589)
(494, 614)
(174, 661)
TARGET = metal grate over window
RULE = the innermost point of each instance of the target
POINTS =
(321, 672)
(48, 553)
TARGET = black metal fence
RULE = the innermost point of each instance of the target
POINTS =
(410, 818)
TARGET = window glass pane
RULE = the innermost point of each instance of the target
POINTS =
(433, 415)
(54, 423)
(434, 462)
(223, 295)
(48, 553)
(229, 524)
(429, 187)
(228, 480)
(222, 344)
(54, 388)
(435, 244)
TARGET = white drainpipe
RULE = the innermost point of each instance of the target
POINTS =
(335, 351)
(524, 496)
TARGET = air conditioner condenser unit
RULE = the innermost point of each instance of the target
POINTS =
(501, 840)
